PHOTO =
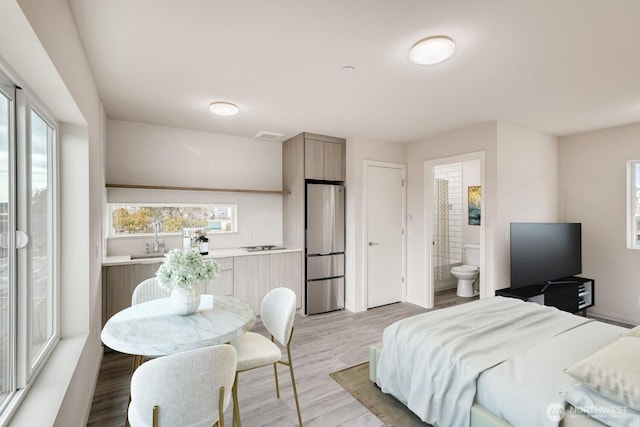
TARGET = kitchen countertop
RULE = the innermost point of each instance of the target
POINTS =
(213, 253)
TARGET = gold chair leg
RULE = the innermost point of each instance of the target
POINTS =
(137, 361)
(154, 421)
(275, 374)
(236, 408)
(220, 422)
(293, 384)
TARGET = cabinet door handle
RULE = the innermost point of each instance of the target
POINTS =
(373, 244)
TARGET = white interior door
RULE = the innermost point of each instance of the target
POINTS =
(385, 235)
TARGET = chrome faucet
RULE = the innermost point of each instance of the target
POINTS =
(158, 246)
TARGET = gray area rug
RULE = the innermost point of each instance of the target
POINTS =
(390, 411)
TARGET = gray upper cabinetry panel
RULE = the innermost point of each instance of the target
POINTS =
(324, 157)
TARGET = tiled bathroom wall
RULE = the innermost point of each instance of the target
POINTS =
(453, 173)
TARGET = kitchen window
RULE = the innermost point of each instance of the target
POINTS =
(633, 204)
(29, 302)
(143, 219)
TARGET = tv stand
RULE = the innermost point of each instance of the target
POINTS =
(556, 282)
(572, 294)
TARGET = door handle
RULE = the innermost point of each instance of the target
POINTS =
(373, 244)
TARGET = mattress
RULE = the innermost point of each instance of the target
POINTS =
(523, 388)
(432, 361)
(481, 416)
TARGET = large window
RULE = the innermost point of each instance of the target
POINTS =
(28, 236)
(136, 219)
(633, 205)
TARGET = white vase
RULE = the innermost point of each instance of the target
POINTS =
(185, 302)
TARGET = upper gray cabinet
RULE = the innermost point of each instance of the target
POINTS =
(324, 157)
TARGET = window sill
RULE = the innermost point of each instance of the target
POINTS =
(40, 403)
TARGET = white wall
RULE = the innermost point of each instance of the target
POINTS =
(359, 150)
(520, 183)
(593, 192)
(470, 177)
(158, 155)
(527, 186)
(42, 47)
(140, 153)
(479, 138)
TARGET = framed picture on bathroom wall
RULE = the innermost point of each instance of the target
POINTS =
(475, 209)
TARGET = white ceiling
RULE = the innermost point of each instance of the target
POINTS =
(557, 66)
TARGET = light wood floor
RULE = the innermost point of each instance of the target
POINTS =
(321, 344)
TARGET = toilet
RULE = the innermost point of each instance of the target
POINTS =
(468, 272)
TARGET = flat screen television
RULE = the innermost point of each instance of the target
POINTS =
(545, 253)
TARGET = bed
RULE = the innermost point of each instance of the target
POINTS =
(502, 361)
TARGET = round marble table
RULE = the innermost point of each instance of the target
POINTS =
(151, 329)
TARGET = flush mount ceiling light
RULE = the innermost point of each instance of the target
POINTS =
(223, 108)
(432, 50)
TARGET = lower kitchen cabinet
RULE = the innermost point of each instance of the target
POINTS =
(254, 276)
(251, 279)
(119, 281)
(286, 270)
(247, 277)
(223, 284)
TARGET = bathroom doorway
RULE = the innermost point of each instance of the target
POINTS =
(453, 218)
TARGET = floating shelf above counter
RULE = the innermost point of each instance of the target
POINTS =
(164, 187)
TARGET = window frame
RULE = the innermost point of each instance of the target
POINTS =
(111, 206)
(8, 89)
(633, 199)
(34, 362)
(25, 365)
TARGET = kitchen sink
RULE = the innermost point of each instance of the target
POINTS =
(145, 256)
(262, 248)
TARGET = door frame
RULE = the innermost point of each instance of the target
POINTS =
(429, 166)
(365, 226)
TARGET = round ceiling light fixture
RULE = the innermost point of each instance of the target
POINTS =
(222, 108)
(432, 50)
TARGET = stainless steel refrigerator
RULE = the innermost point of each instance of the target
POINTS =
(324, 247)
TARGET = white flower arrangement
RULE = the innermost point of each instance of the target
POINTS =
(183, 269)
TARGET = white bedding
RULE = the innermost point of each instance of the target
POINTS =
(521, 389)
(438, 381)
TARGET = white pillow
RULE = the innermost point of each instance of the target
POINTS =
(586, 401)
(613, 371)
(635, 332)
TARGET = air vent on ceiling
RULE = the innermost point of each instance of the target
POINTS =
(269, 136)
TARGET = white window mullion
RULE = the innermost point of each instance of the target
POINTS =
(23, 367)
(8, 310)
(54, 241)
(633, 204)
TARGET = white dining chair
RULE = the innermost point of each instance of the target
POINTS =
(192, 388)
(148, 290)
(253, 350)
